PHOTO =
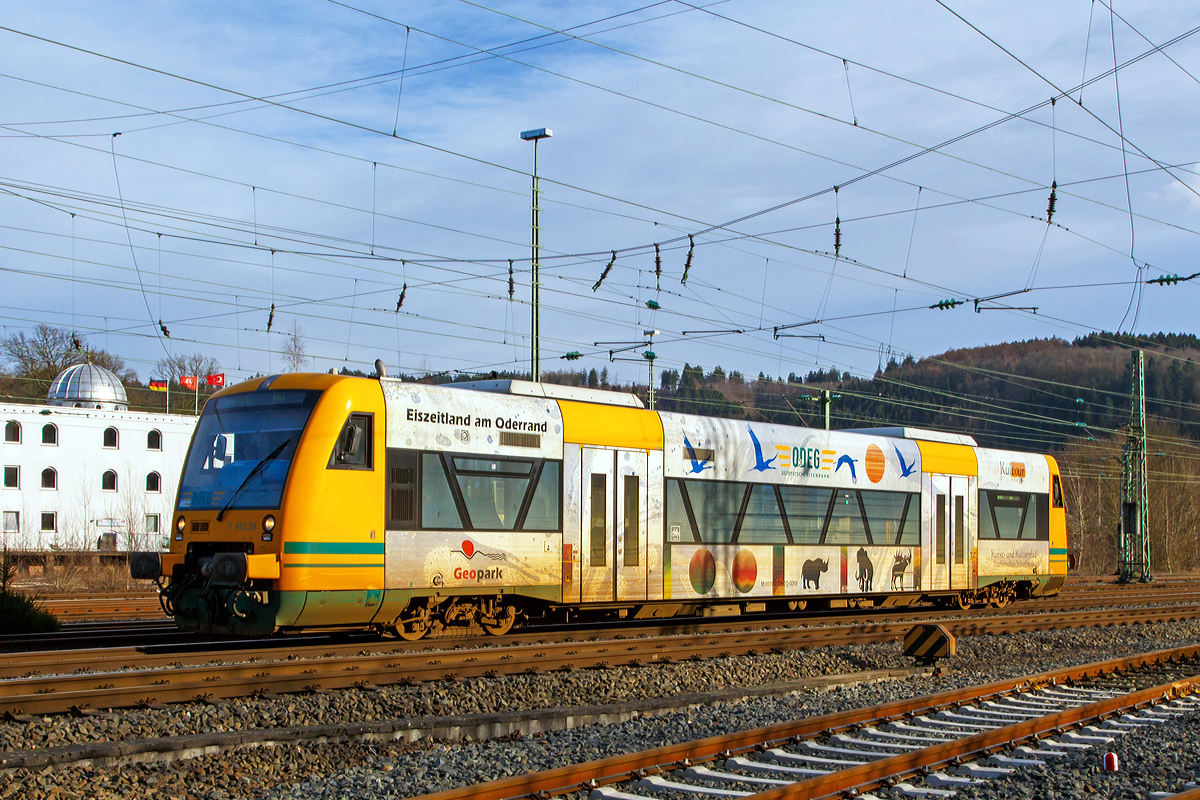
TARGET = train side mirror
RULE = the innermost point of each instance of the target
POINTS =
(220, 447)
(351, 442)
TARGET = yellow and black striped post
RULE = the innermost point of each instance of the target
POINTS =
(928, 643)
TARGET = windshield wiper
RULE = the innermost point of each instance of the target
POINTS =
(258, 468)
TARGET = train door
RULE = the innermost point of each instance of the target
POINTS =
(598, 494)
(629, 546)
(613, 536)
(950, 541)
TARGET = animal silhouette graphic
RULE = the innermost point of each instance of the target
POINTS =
(906, 469)
(698, 464)
(759, 464)
(811, 571)
(866, 571)
(847, 460)
(899, 567)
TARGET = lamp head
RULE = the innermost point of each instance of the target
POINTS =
(534, 135)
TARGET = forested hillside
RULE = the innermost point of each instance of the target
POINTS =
(1069, 399)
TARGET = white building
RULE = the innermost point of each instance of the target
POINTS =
(82, 472)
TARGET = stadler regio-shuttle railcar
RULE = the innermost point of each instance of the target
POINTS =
(323, 501)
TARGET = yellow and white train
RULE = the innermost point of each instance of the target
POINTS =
(322, 501)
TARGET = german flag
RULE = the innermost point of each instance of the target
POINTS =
(158, 386)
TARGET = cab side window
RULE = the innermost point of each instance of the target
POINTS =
(354, 446)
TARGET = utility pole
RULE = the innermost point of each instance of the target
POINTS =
(1134, 556)
(535, 355)
(826, 399)
(649, 356)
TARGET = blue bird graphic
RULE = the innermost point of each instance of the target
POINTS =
(906, 469)
(759, 464)
(849, 462)
(698, 465)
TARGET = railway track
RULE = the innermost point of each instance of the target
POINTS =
(143, 604)
(103, 606)
(155, 630)
(940, 743)
(128, 678)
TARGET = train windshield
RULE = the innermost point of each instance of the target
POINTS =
(243, 448)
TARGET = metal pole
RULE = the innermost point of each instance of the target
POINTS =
(535, 360)
(650, 363)
(1142, 472)
(826, 402)
(1134, 554)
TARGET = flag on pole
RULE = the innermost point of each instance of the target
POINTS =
(216, 380)
(158, 386)
(188, 382)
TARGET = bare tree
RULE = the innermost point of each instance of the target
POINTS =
(48, 350)
(294, 348)
(198, 364)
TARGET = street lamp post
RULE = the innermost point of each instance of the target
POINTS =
(535, 356)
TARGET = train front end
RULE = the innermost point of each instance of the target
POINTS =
(222, 572)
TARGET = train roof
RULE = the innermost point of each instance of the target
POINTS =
(920, 434)
(552, 391)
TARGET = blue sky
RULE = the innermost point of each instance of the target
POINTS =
(669, 119)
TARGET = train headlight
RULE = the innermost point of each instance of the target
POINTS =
(268, 525)
(180, 524)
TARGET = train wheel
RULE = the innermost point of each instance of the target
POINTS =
(504, 622)
(963, 600)
(1001, 599)
(411, 630)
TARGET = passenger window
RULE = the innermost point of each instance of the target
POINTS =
(353, 447)
(890, 517)
(941, 529)
(762, 523)
(599, 519)
(543, 513)
(806, 510)
(1012, 515)
(716, 506)
(492, 490)
(679, 527)
(846, 524)
(437, 503)
(633, 531)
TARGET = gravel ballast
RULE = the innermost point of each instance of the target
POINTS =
(403, 770)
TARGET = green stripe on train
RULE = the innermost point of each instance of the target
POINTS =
(333, 548)
(1058, 551)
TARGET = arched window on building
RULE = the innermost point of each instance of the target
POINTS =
(49, 478)
(12, 431)
(108, 481)
(154, 440)
(153, 482)
(110, 438)
(49, 433)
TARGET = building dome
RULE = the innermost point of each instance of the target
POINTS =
(88, 386)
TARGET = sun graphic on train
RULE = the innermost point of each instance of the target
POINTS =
(468, 550)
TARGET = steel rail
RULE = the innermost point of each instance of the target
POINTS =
(177, 683)
(93, 656)
(844, 628)
(635, 765)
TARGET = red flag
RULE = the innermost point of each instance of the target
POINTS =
(188, 382)
(216, 380)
